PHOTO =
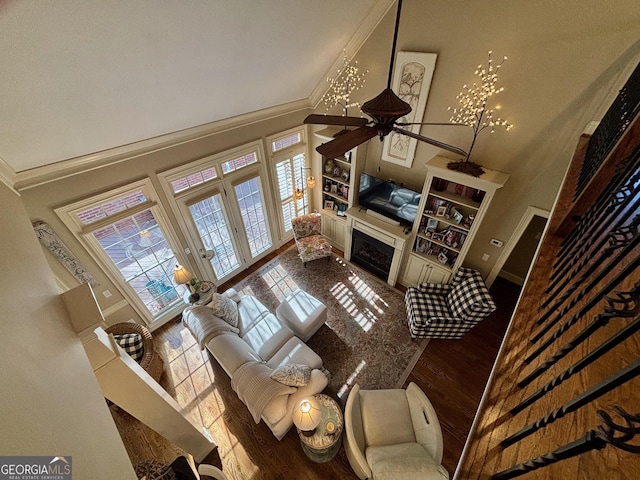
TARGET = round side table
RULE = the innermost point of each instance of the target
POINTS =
(325, 442)
(205, 297)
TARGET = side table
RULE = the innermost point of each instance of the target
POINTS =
(324, 444)
(205, 295)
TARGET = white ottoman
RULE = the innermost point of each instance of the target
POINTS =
(302, 313)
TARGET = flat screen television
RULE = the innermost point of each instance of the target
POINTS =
(388, 199)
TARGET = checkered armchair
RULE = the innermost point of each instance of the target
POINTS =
(307, 232)
(448, 310)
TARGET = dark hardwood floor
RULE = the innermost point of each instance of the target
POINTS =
(452, 374)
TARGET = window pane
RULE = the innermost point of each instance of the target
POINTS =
(111, 207)
(253, 215)
(140, 251)
(193, 179)
(287, 141)
(212, 227)
(238, 163)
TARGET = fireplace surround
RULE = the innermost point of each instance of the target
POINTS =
(374, 244)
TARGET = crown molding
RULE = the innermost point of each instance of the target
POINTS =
(93, 161)
(7, 175)
(361, 35)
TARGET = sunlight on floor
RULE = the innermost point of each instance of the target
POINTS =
(344, 294)
(351, 380)
(279, 282)
(191, 377)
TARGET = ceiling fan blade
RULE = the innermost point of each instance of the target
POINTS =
(343, 143)
(431, 141)
(315, 119)
(406, 124)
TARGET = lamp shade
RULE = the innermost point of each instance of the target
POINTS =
(181, 275)
(298, 194)
(307, 414)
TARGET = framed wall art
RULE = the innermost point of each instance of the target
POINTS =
(411, 82)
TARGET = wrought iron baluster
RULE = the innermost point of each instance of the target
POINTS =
(623, 239)
(619, 238)
(575, 403)
(622, 185)
(585, 361)
(626, 311)
(611, 433)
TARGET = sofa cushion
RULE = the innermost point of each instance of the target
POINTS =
(470, 298)
(267, 336)
(408, 461)
(255, 388)
(275, 410)
(204, 325)
(224, 308)
(231, 351)
(250, 313)
(294, 351)
(132, 344)
(293, 375)
(386, 418)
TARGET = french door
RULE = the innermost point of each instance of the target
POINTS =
(227, 218)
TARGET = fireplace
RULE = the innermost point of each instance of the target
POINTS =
(371, 254)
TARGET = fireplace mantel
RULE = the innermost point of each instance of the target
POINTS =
(392, 235)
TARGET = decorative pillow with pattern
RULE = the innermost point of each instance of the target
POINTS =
(225, 308)
(132, 344)
(292, 375)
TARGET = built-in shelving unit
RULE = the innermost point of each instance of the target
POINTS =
(452, 207)
(339, 180)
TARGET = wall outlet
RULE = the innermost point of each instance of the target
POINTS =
(106, 293)
(496, 243)
(485, 257)
(187, 251)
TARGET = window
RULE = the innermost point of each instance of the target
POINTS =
(239, 162)
(194, 179)
(225, 216)
(290, 170)
(124, 232)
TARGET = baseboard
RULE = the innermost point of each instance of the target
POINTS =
(511, 277)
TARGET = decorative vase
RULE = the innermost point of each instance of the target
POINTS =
(328, 166)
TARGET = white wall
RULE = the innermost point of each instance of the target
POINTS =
(51, 403)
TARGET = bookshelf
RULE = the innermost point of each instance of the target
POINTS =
(452, 207)
(340, 178)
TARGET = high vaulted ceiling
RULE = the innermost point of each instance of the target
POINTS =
(78, 77)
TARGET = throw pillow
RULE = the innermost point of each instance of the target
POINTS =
(292, 375)
(225, 308)
(132, 344)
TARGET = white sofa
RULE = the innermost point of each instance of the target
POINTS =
(260, 337)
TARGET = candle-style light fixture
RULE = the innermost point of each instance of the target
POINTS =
(475, 113)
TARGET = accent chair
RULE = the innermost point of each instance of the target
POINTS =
(393, 434)
(307, 232)
(448, 311)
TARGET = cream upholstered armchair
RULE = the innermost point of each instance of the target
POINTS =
(393, 434)
(307, 231)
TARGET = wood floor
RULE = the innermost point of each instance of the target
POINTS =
(452, 374)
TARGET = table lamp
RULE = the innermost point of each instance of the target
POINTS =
(307, 415)
(182, 276)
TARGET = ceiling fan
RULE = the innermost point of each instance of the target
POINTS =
(385, 110)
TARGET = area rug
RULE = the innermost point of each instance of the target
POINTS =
(365, 339)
